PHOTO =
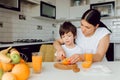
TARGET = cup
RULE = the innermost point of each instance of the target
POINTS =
(88, 55)
(36, 62)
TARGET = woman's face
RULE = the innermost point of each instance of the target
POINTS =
(68, 38)
(87, 28)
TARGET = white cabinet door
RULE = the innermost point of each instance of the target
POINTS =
(62, 9)
(99, 1)
(96, 1)
(34, 1)
(35, 10)
(77, 11)
(117, 51)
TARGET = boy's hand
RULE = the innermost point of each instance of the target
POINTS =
(60, 55)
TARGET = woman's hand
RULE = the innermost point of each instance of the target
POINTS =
(76, 58)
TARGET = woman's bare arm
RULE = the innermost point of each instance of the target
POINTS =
(102, 48)
(101, 51)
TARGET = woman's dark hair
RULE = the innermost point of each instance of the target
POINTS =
(67, 27)
(93, 17)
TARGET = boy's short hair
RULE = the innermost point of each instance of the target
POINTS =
(67, 27)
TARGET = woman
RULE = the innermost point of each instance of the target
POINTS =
(93, 34)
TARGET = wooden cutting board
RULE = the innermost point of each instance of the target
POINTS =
(61, 66)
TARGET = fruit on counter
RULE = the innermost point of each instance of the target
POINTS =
(1, 73)
(15, 58)
(5, 51)
(66, 61)
(4, 58)
(22, 60)
(9, 76)
(13, 63)
(22, 71)
(14, 51)
(86, 64)
(8, 55)
(0, 65)
(7, 66)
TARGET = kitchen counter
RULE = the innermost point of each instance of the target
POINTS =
(115, 41)
(22, 44)
(98, 71)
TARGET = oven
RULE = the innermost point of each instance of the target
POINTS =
(110, 52)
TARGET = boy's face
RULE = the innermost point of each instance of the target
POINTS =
(68, 38)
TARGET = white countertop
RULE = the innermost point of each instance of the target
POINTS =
(96, 72)
(22, 44)
(114, 41)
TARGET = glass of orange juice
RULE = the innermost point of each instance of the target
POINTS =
(88, 55)
(36, 62)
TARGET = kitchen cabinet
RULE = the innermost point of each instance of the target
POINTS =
(76, 12)
(99, 1)
(117, 51)
(117, 7)
(110, 52)
(37, 2)
(62, 9)
(35, 10)
(33, 1)
(65, 10)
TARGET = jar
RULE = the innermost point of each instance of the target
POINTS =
(77, 3)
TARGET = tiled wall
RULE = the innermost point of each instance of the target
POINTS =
(14, 29)
(114, 25)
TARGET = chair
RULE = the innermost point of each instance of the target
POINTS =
(47, 52)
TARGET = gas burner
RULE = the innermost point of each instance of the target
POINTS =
(6, 42)
(28, 40)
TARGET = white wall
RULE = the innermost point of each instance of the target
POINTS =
(14, 29)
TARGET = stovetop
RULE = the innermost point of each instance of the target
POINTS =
(28, 40)
(23, 41)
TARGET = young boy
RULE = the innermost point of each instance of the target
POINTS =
(68, 33)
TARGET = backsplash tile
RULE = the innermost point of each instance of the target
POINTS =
(14, 29)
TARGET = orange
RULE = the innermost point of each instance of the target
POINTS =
(22, 60)
(66, 61)
(86, 64)
(22, 71)
(9, 76)
(7, 66)
(0, 65)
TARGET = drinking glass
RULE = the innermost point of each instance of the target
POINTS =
(88, 55)
(36, 62)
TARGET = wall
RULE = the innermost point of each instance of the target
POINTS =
(14, 29)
